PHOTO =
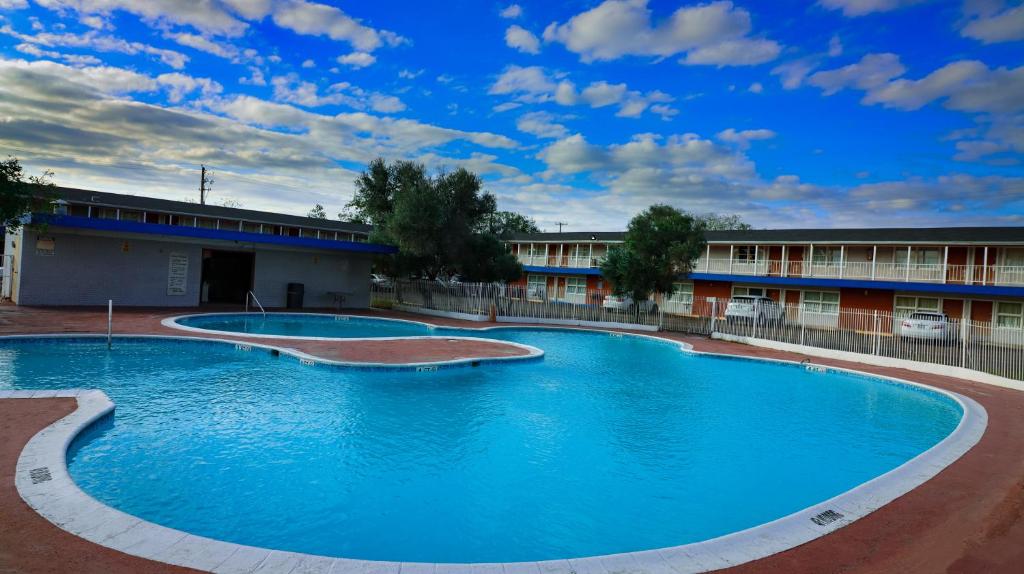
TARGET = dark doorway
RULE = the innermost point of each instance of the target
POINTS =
(227, 275)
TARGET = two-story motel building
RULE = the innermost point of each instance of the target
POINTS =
(974, 272)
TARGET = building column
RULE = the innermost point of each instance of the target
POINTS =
(810, 263)
(945, 264)
(731, 248)
(842, 260)
(984, 266)
(908, 264)
(707, 257)
(874, 260)
(784, 265)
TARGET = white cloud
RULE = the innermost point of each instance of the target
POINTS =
(743, 138)
(793, 74)
(307, 64)
(966, 85)
(357, 59)
(80, 122)
(256, 78)
(531, 83)
(835, 46)
(739, 52)
(386, 104)
(180, 85)
(541, 124)
(13, 4)
(534, 85)
(522, 39)
(755, 88)
(230, 17)
(94, 40)
(506, 106)
(871, 71)
(991, 22)
(863, 7)
(211, 17)
(512, 12)
(406, 74)
(204, 45)
(715, 33)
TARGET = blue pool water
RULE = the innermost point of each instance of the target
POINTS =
(607, 444)
(307, 325)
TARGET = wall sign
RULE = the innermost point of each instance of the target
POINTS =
(45, 246)
(177, 274)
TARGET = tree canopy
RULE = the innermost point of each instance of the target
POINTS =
(721, 222)
(18, 192)
(317, 212)
(505, 223)
(661, 243)
(442, 224)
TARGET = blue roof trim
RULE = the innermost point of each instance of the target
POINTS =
(77, 222)
(990, 290)
(562, 270)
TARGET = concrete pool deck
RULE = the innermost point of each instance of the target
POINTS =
(969, 518)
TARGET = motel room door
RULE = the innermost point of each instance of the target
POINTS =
(227, 276)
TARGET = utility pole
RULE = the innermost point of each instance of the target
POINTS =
(560, 224)
(205, 185)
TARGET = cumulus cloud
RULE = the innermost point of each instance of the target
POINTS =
(835, 46)
(872, 71)
(99, 42)
(534, 85)
(992, 22)
(540, 124)
(965, 85)
(291, 89)
(864, 7)
(512, 12)
(743, 138)
(357, 59)
(716, 33)
(204, 44)
(231, 17)
(522, 39)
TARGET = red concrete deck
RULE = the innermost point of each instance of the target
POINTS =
(969, 518)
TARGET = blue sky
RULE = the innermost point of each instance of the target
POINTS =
(792, 114)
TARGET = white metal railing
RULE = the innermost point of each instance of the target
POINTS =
(569, 261)
(868, 270)
(250, 294)
(979, 345)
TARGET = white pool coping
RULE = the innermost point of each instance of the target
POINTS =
(43, 481)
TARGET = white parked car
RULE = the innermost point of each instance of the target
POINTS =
(380, 280)
(929, 326)
(626, 303)
(747, 309)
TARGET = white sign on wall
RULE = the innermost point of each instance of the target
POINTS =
(177, 274)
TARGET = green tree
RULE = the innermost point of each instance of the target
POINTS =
(439, 223)
(317, 212)
(661, 244)
(506, 223)
(18, 192)
(720, 222)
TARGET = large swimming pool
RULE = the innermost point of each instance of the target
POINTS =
(608, 444)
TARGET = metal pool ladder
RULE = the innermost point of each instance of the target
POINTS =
(249, 294)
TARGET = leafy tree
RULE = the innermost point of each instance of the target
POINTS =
(317, 212)
(720, 222)
(661, 243)
(506, 223)
(18, 192)
(440, 224)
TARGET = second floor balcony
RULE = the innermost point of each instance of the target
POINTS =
(571, 261)
(1010, 275)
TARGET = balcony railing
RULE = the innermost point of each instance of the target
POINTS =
(574, 262)
(867, 270)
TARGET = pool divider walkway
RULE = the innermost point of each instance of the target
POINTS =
(969, 518)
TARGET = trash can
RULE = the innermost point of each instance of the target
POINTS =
(295, 294)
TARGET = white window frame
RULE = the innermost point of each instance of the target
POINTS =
(744, 291)
(902, 311)
(744, 253)
(680, 300)
(817, 304)
(536, 286)
(998, 313)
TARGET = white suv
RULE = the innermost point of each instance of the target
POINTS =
(749, 308)
(626, 303)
